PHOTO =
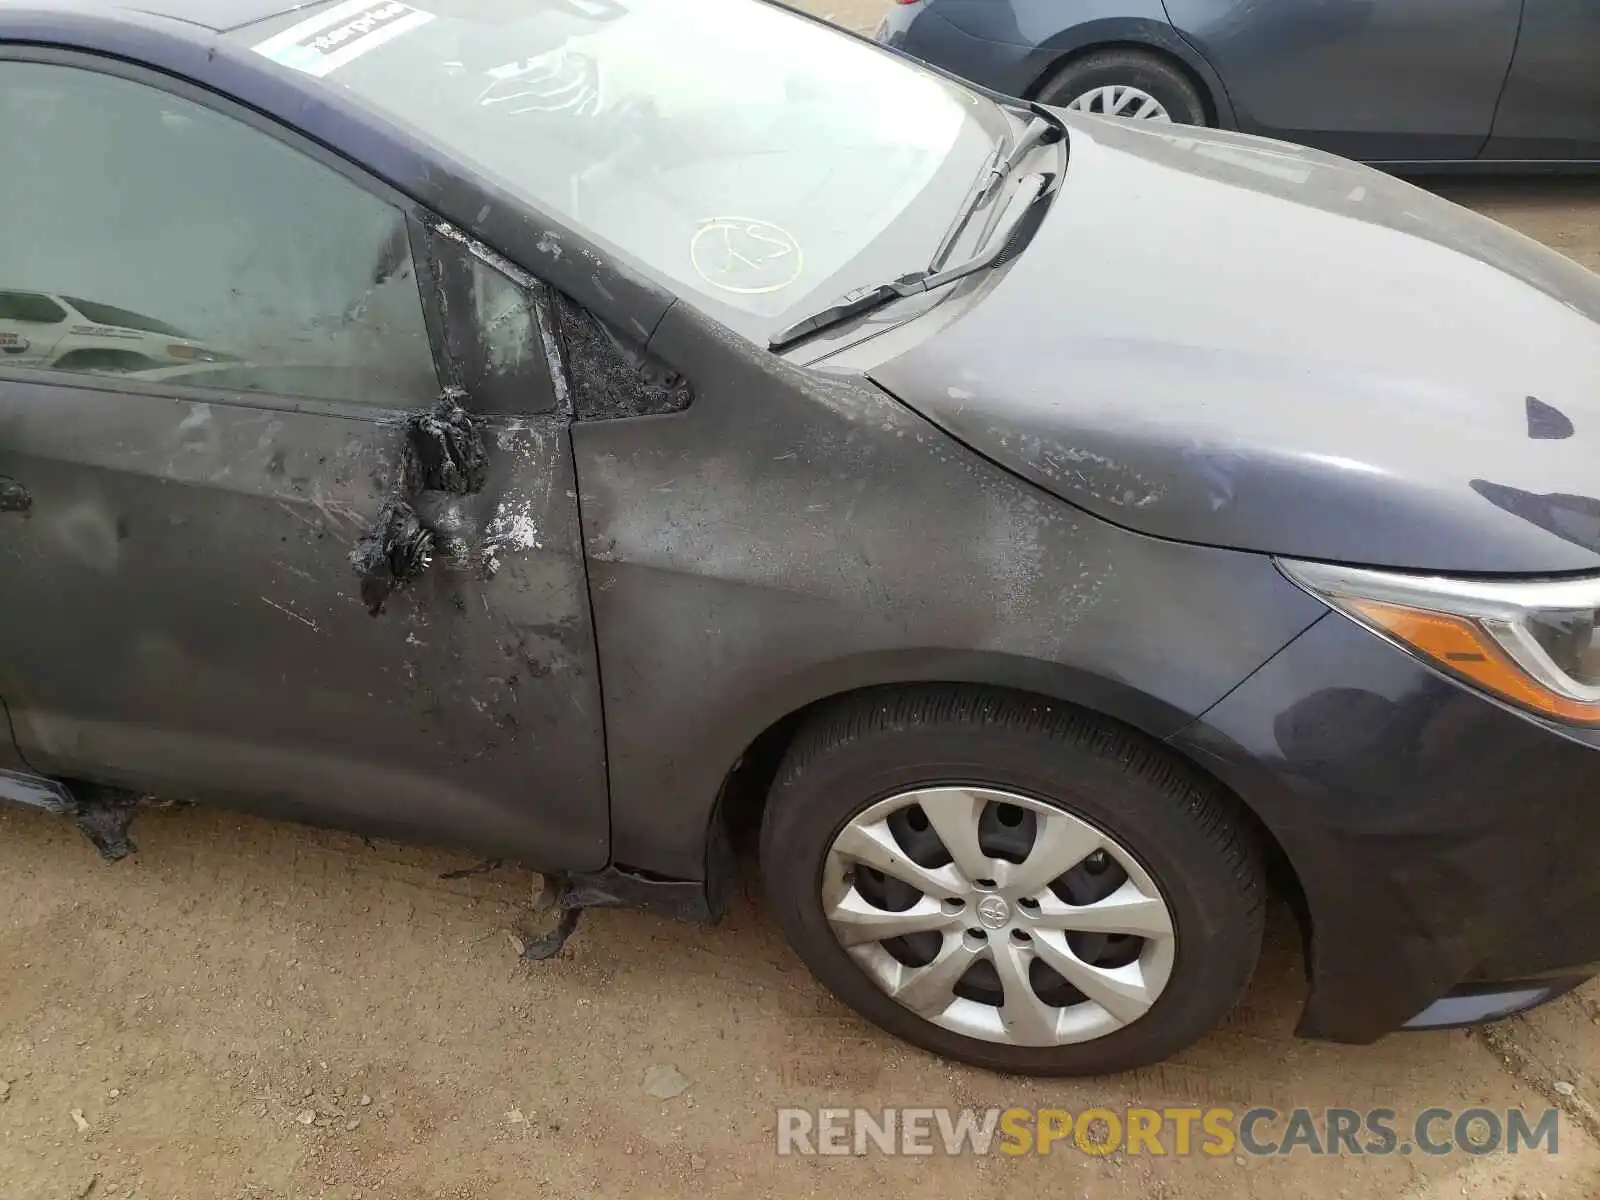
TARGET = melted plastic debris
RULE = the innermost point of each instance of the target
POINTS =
(611, 375)
(394, 553)
(444, 451)
(104, 815)
(14, 498)
(443, 459)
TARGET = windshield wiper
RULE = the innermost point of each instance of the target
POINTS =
(863, 300)
(1035, 133)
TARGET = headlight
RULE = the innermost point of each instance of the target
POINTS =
(1534, 642)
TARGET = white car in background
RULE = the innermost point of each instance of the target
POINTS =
(63, 333)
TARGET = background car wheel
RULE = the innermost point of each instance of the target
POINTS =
(1009, 882)
(1126, 83)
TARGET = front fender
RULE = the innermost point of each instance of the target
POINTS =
(795, 533)
(1439, 837)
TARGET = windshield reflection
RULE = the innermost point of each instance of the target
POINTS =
(745, 153)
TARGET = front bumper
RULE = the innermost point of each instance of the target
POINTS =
(1446, 844)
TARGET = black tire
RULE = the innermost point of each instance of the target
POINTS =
(1148, 72)
(1186, 832)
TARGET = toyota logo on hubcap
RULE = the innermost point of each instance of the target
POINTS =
(994, 912)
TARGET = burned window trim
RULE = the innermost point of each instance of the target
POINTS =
(596, 371)
(435, 308)
(609, 374)
(451, 262)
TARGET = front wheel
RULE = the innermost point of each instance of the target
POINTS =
(1010, 883)
(1133, 84)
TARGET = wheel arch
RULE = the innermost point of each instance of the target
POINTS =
(734, 816)
(1151, 37)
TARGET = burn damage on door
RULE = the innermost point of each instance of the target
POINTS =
(443, 457)
(443, 460)
(452, 521)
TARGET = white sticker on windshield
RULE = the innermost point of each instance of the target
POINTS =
(341, 35)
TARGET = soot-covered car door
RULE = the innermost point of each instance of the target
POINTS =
(301, 530)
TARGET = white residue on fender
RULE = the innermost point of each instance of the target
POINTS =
(510, 530)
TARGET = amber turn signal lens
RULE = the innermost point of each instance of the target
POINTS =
(1459, 645)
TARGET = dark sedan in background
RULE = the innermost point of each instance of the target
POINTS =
(1494, 84)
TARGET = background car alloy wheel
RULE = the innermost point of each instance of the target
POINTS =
(1011, 882)
(1138, 85)
(1120, 100)
(998, 917)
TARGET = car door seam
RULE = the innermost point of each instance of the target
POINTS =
(1511, 63)
(557, 361)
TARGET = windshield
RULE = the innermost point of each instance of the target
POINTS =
(750, 156)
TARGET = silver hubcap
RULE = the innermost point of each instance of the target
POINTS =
(1120, 100)
(997, 916)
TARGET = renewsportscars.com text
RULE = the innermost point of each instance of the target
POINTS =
(1180, 1132)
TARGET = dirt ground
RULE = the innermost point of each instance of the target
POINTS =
(257, 1011)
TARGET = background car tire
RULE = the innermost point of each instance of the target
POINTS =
(1148, 73)
(1186, 832)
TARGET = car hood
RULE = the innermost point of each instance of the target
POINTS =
(1222, 339)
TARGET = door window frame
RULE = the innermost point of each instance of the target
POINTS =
(438, 264)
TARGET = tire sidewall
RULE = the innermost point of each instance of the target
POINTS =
(1218, 933)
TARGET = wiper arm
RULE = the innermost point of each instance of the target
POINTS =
(863, 300)
(1034, 134)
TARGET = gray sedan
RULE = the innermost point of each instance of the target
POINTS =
(1486, 84)
(589, 431)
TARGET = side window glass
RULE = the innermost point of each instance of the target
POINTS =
(506, 323)
(148, 237)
